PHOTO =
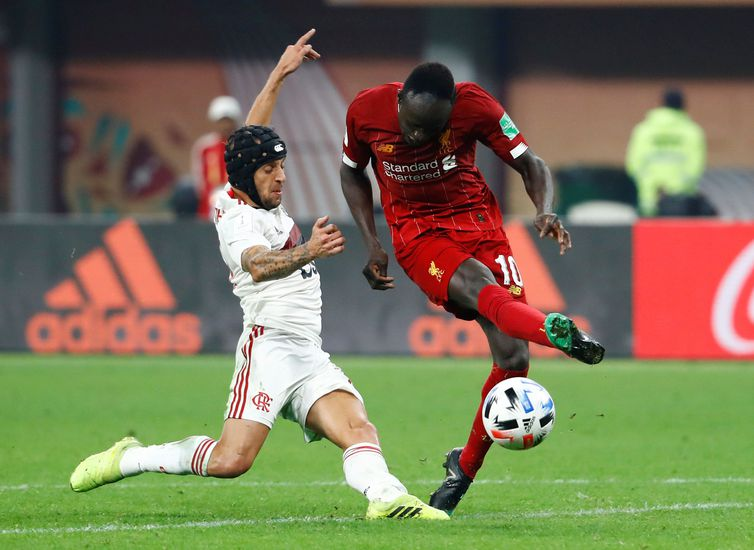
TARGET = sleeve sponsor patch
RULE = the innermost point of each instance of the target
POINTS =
(519, 150)
(508, 127)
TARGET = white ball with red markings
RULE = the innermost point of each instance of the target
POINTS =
(518, 413)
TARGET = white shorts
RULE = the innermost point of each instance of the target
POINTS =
(280, 373)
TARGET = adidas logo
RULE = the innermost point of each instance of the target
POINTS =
(404, 512)
(528, 423)
(118, 301)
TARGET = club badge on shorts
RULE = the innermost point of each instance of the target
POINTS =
(262, 401)
(435, 271)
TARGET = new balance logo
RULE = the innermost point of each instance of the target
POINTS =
(118, 301)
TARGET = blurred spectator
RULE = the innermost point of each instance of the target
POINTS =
(666, 157)
(207, 155)
(184, 202)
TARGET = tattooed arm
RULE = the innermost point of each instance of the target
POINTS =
(264, 264)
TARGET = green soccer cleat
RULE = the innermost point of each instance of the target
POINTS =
(571, 340)
(404, 507)
(102, 468)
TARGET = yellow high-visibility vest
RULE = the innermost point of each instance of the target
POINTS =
(666, 153)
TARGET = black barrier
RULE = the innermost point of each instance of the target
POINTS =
(122, 287)
(595, 277)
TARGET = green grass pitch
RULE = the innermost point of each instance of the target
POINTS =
(643, 455)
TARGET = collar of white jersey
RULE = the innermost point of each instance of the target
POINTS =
(228, 200)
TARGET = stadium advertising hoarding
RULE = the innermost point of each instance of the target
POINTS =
(694, 289)
(116, 300)
(156, 288)
(104, 288)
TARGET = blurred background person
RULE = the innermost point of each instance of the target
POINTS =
(666, 156)
(207, 161)
(184, 202)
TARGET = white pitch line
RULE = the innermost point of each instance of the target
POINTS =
(299, 484)
(682, 506)
(709, 480)
(230, 522)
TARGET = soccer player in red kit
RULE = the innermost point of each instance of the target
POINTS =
(446, 226)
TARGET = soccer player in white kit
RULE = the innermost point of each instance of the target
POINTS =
(281, 368)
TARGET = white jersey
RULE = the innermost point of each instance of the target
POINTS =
(292, 303)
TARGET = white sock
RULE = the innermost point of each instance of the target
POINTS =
(187, 456)
(366, 471)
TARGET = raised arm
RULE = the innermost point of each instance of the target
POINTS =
(538, 183)
(264, 264)
(292, 58)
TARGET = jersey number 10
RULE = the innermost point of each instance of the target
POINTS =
(509, 262)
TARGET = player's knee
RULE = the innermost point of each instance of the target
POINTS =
(519, 359)
(468, 281)
(362, 430)
(514, 358)
(229, 466)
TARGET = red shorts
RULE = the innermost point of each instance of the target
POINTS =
(431, 259)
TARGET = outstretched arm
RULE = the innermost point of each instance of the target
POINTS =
(292, 58)
(358, 193)
(264, 264)
(538, 183)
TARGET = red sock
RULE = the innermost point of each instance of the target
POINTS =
(512, 317)
(479, 442)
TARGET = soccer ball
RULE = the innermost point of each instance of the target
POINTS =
(518, 413)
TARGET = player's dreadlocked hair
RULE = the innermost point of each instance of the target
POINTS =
(432, 78)
(247, 150)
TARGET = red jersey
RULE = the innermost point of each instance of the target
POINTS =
(208, 168)
(436, 185)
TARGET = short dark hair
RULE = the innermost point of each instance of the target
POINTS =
(673, 98)
(432, 78)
